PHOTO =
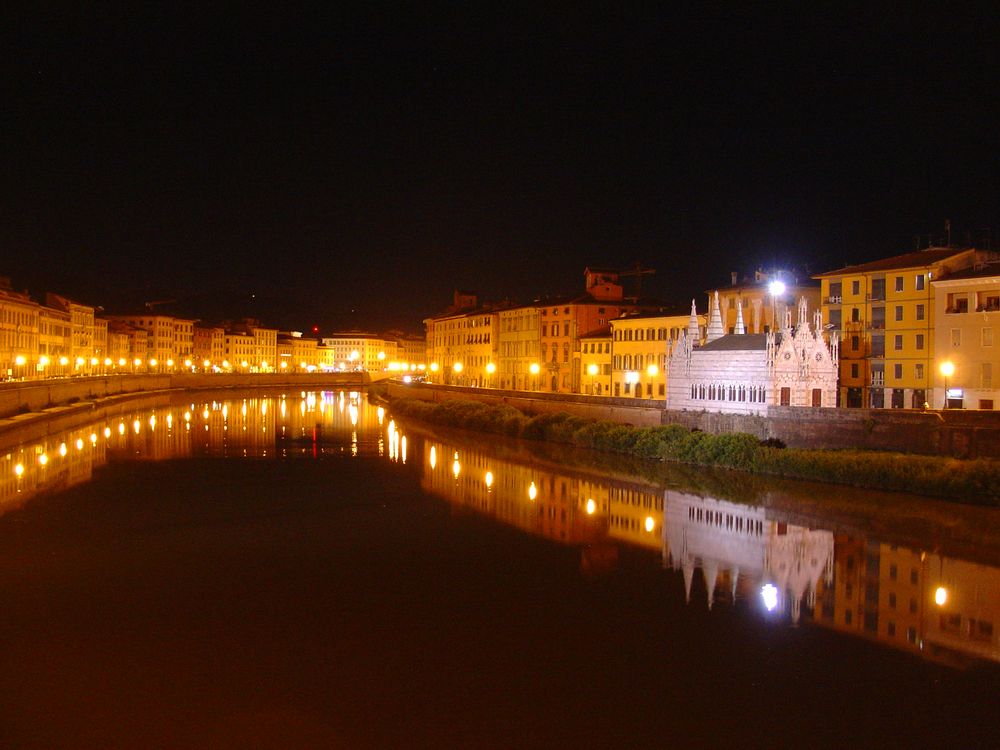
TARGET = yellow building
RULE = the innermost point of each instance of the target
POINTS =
(55, 340)
(160, 340)
(19, 334)
(765, 298)
(641, 344)
(355, 350)
(81, 349)
(240, 350)
(462, 344)
(183, 348)
(967, 338)
(884, 313)
(518, 354)
(595, 362)
(297, 353)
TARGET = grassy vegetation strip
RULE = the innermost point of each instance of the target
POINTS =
(976, 482)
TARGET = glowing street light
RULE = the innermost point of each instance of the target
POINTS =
(776, 288)
(947, 369)
(940, 596)
(592, 370)
(490, 369)
(534, 368)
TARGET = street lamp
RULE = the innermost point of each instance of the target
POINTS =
(534, 369)
(457, 369)
(490, 369)
(947, 369)
(592, 370)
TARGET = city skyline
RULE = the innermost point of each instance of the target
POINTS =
(352, 170)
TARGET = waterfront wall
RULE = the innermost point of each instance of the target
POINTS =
(36, 395)
(638, 412)
(958, 433)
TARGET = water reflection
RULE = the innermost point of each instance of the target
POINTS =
(740, 555)
(725, 553)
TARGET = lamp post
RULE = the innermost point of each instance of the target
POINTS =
(457, 369)
(534, 369)
(490, 369)
(592, 370)
(947, 369)
(652, 370)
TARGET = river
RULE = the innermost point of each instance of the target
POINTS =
(300, 570)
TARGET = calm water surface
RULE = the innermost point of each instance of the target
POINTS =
(299, 570)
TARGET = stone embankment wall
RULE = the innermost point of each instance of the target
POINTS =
(639, 412)
(958, 433)
(36, 395)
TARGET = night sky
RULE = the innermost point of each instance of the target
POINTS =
(352, 167)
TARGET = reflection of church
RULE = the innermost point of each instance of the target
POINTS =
(743, 554)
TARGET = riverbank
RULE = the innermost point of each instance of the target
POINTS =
(975, 482)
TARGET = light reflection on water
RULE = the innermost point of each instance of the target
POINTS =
(728, 554)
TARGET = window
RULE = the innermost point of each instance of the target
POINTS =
(920, 312)
(920, 341)
(918, 371)
(855, 343)
(897, 342)
(855, 315)
(956, 336)
(897, 372)
(919, 282)
(854, 369)
(899, 283)
(987, 337)
(855, 287)
(899, 312)
(565, 329)
(835, 318)
(986, 374)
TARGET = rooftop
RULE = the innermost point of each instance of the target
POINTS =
(916, 259)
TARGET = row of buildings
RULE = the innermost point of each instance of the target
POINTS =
(909, 331)
(61, 337)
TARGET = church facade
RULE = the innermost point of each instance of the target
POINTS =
(744, 373)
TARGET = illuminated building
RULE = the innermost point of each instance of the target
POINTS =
(297, 352)
(183, 346)
(55, 339)
(744, 373)
(19, 333)
(519, 346)
(763, 302)
(119, 345)
(160, 338)
(885, 313)
(81, 348)
(462, 343)
(240, 350)
(641, 343)
(967, 335)
(595, 362)
(355, 350)
(209, 345)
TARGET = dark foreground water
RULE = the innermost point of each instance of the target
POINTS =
(301, 571)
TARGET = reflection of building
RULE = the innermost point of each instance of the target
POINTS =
(743, 553)
(635, 515)
(541, 502)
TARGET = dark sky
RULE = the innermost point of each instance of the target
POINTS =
(354, 167)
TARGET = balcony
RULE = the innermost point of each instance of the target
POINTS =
(878, 380)
(834, 300)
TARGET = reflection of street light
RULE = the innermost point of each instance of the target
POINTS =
(947, 369)
(940, 596)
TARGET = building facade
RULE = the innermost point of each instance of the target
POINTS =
(967, 338)
(743, 373)
(884, 313)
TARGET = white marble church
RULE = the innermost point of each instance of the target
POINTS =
(744, 373)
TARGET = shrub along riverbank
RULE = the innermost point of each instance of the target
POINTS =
(976, 482)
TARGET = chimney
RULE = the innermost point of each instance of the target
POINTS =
(734, 275)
